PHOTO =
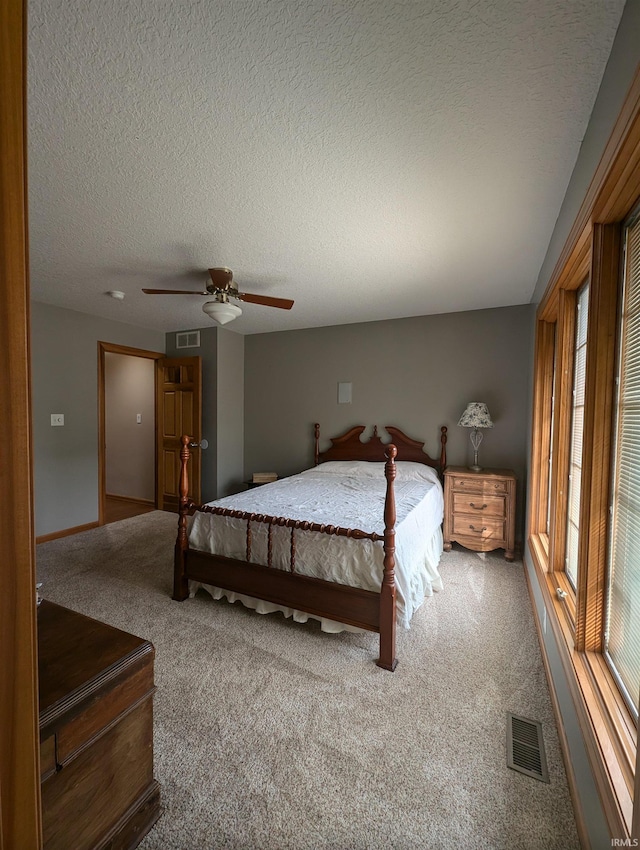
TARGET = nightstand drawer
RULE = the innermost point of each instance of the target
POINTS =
(481, 527)
(481, 503)
(479, 485)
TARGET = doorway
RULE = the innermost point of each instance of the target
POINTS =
(127, 431)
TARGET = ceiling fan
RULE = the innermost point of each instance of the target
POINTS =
(221, 310)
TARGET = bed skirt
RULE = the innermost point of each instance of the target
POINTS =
(422, 586)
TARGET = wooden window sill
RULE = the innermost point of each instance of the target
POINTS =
(609, 733)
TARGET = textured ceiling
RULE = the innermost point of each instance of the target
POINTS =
(369, 158)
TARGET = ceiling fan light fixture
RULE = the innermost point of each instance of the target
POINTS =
(221, 312)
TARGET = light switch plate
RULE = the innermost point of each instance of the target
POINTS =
(57, 418)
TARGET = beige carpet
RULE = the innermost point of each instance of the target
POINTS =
(275, 736)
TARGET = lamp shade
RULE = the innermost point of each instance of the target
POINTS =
(221, 311)
(476, 415)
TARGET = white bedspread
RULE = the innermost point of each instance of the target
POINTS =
(348, 494)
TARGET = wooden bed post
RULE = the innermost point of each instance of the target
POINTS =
(443, 450)
(317, 448)
(180, 580)
(388, 658)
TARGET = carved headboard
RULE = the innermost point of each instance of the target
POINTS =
(349, 446)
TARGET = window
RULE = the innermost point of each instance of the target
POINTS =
(583, 548)
(569, 510)
(544, 415)
(549, 439)
(622, 623)
(577, 429)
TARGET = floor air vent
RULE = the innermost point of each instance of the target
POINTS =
(525, 747)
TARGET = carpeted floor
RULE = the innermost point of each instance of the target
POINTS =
(275, 736)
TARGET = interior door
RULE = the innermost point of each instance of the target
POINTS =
(179, 411)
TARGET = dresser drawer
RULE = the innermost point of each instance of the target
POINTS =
(479, 503)
(478, 485)
(480, 528)
(102, 712)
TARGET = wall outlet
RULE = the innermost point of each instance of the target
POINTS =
(57, 419)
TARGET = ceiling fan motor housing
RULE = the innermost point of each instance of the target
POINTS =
(220, 278)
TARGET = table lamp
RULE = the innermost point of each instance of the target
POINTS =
(476, 416)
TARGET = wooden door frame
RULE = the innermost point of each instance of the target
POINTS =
(112, 348)
(20, 816)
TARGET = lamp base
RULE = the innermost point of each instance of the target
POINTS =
(476, 439)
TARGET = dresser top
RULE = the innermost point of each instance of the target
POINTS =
(77, 656)
(484, 473)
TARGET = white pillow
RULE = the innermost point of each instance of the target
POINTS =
(351, 468)
(409, 470)
(406, 470)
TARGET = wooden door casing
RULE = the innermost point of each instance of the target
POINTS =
(20, 822)
(179, 411)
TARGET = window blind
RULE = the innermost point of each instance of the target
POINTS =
(622, 622)
(577, 425)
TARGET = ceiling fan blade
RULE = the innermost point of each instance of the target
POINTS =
(174, 292)
(267, 300)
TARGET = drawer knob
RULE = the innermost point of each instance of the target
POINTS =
(478, 530)
(477, 507)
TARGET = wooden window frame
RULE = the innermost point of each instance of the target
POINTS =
(544, 359)
(592, 251)
(597, 436)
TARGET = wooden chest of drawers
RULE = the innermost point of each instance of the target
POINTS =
(96, 733)
(479, 509)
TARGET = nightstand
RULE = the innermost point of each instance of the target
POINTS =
(480, 509)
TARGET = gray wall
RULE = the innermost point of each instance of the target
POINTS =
(230, 421)
(417, 374)
(621, 67)
(130, 446)
(64, 376)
